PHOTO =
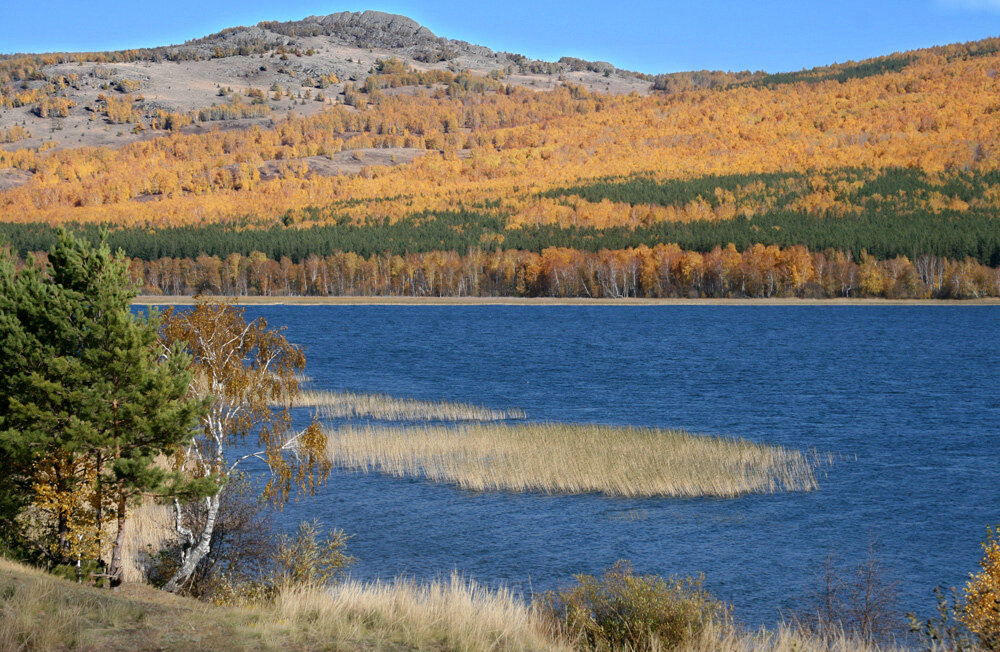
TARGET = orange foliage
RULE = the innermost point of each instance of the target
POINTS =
(509, 144)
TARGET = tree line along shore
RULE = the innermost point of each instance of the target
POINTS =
(660, 272)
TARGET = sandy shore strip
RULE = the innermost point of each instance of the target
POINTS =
(151, 300)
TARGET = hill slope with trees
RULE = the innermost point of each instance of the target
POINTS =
(434, 167)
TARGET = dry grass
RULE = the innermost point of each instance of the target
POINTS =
(783, 639)
(33, 614)
(148, 530)
(40, 612)
(461, 615)
(349, 405)
(562, 458)
(453, 615)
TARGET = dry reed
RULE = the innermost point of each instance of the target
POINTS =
(349, 405)
(784, 638)
(722, 638)
(563, 458)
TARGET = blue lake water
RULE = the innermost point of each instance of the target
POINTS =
(907, 398)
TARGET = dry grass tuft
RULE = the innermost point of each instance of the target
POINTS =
(348, 405)
(462, 615)
(33, 614)
(42, 612)
(716, 638)
(148, 530)
(564, 458)
(454, 615)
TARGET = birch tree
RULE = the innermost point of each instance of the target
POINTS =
(248, 372)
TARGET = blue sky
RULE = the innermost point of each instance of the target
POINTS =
(643, 35)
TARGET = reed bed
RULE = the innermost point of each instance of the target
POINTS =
(350, 405)
(575, 459)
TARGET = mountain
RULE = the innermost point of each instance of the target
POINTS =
(294, 140)
(319, 53)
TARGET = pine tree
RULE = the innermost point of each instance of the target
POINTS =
(38, 336)
(94, 390)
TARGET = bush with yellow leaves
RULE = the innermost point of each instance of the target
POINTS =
(981, 609)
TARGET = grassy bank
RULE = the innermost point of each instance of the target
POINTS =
(40, 612)
(562, 458)
(351, 405)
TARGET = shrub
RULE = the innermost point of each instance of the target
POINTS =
(242, 545)
(53, 107)
(128, 85)
(171, 120)
(980, 610)
(622, 610)
(942, 632)
(304, 560)
(120, 110)
(233, 110)
(861, 600)
(249, 562)
(14, 134)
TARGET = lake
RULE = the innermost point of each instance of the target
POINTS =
(907, 399)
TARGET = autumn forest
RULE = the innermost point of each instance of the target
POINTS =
(877, 178)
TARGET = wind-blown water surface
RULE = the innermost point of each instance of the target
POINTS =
(907, 397)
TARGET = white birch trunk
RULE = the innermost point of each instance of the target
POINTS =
(193, 555)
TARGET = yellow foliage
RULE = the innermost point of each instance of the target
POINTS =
(14, 134)
(120, 110)
(53, 107)
(981, 609)
(512, 144)
(64, 502)
(870, 276)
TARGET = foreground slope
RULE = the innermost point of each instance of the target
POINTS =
(40, 612)
(46, 613)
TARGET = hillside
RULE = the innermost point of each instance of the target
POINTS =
(432, 161)
(54, 99)
(41, 612)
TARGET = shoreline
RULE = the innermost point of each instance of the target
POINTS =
(152, 300)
